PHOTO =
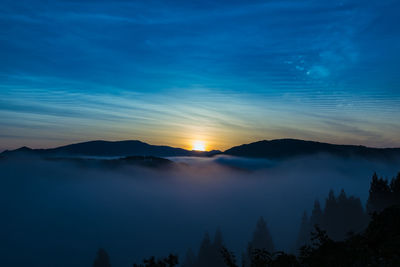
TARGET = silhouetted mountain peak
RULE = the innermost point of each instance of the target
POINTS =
(23, 149)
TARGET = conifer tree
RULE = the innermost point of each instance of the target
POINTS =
(395, 189)
(102, 259)
(217, 259)
(190, 259)
(218, 241)
(330, 215)
(316, 216)
(261, 237)
(304, 232)
(205, 252)
(379, 195)
(262, 240)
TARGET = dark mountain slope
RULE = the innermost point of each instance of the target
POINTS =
(110, 149)
(142, 161)
(119, 148)
(285, 148)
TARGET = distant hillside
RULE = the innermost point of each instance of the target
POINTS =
(111, 149)
(286, 148)
(142, 161)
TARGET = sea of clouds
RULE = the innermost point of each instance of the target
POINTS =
(57, 213)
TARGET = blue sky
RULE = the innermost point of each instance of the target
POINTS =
(226, 72)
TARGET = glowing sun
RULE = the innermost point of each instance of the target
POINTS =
(199, 145)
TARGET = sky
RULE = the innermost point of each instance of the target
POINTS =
(222, 72)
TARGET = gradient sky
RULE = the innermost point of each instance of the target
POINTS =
(226, 72)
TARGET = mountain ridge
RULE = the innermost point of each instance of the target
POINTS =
(104, 148)
(284, 148)
(272, 149)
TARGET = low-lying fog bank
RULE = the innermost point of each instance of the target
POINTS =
(57, 213)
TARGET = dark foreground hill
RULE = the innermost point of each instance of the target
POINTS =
(286, 148)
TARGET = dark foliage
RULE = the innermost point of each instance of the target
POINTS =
(303, 237)
(209, 253)
(382, 194)
(229, 257)
(378, 245)
(261, 242)
(342, 215)
(263, 258)
(170, 261)
(190, 259)
(335, 241)
(262, 239)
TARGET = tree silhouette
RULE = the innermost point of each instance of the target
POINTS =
(328, 245)
(331, 214)
(303, 237)
(216, 258)
(229, 257)
(170, 261)
(261, 237)
(395, 184)
(316, 216)
(210, 253)
(262, 258)
(262, 241)
(378, 194)
(102, 259)
(395, 188)
(205, 251)
(285, 260)
(377, 246)
(190, 259)
(343, 215)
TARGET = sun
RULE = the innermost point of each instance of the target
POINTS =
(199, 145)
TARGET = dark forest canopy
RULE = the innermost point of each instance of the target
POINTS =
(342, 215)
